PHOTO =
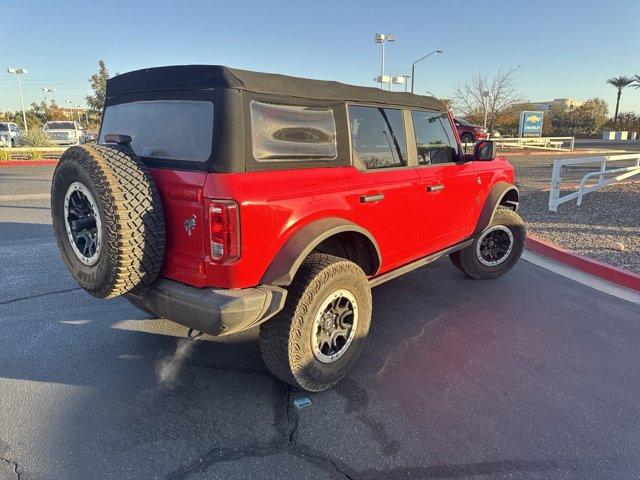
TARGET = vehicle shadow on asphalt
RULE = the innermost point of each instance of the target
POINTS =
(449, 385)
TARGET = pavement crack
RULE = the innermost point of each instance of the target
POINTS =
(292, 418)
(21, 299)
(286, 422)
(13, 465)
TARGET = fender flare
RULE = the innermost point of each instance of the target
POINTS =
(492, 202)
(285, 264)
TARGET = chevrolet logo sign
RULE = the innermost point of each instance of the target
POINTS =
(533, 118)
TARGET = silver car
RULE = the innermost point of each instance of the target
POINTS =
(10, 134)
(64, 133)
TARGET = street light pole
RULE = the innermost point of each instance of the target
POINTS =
(413, 66)
(485, 97)
(73, 113)
(18, 72)
(381, 38)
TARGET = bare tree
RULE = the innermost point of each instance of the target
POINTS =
(487, 97)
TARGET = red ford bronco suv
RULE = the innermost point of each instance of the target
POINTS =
(224, 199)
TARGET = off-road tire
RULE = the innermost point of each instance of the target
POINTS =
(467, 138)
(467, 260)
(285, 340)
(133, 230)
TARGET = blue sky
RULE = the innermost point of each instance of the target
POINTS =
(565, 48)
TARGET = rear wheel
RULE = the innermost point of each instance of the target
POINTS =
(466, 138)
(318, 336)
(497, 248)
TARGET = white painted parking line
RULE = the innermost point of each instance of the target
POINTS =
(581, 277)
(26, 196)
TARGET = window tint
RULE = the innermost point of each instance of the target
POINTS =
(289, 132)
(377, 136)
(435, 139)
(171, 129)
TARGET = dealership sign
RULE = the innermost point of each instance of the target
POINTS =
(530, 124)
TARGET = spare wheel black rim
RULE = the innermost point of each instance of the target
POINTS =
(334, 326)
(494, 245)
(82, 223)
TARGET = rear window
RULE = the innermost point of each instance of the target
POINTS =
(167, 129)
(59, 126)
(4, 127)
(283, 133)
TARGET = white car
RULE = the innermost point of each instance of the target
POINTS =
(10, 134)
(64, 133)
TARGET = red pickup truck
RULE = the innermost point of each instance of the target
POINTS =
(470, 133)
(224, 200)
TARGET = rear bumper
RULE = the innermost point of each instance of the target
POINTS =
(217, 312)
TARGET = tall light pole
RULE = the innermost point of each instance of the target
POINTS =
(18, 72)
(413, 66)
(381, 38)
(73, 115)
(406, 83)
(47, 90)
(399, 80)
(485, 101)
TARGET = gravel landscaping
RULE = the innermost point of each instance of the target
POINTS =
(606, 227)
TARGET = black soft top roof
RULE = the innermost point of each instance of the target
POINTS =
(198, 77)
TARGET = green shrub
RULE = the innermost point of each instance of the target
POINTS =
(34, 154)
(36, 138)
(5, 155)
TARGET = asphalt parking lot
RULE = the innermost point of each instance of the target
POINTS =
(528, 376)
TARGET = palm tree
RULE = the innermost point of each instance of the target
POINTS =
(619, 82)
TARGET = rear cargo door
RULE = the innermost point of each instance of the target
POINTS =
(184, 214)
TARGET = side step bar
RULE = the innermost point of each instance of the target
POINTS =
(374, 282)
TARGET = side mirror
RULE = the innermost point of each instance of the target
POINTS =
(484, 150)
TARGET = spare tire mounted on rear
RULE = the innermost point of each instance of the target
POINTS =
(107, 219)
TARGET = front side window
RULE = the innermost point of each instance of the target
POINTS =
(435, 139)
(166, 129)
(377, 136)
(4, 127)
(283, 133)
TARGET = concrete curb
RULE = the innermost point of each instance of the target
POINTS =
(27, 163)
(619, 276)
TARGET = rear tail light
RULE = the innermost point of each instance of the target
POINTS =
(224, 229)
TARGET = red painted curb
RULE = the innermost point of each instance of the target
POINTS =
(619, 276)
(27, 163)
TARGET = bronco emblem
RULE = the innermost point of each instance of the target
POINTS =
(190, 224)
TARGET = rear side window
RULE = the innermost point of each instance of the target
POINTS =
(377, 136)
(435, 139)
(283, 133)
(168, 129)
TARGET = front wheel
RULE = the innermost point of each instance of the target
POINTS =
(497, 248)
(316, 339)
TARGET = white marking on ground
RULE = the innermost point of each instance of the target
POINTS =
(25, 196)
(581, 277)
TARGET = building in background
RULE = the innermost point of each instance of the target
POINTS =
(560, 102)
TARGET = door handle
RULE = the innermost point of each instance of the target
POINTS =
(372, 198)
(435, 188)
